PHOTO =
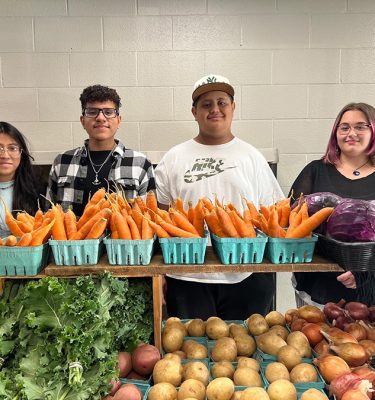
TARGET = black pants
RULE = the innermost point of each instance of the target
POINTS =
(228, 301)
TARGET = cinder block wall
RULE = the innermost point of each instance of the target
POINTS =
(294, 64)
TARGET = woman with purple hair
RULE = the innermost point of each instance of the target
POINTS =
(347, 169)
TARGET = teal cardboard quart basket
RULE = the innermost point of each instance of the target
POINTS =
(77, 252)
(240, 251)
(23, 261)
(290, 251)
(183, 250)
(129, 252)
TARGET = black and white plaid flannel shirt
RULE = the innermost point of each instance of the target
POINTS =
(131, 169)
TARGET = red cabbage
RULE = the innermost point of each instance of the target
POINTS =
(316, 201)
(352, 221)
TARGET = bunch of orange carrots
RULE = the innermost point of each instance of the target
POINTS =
(279, 221)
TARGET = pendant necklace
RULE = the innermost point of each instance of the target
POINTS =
(356, 171)
(7, 187)
(96, 181)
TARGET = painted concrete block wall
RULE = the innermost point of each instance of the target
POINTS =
(294, 65)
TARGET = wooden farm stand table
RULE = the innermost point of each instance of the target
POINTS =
(156, 269)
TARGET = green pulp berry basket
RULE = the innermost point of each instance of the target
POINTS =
(77, 252)
(240, 251)
(129, 252)
(23, 261)
(289, 251)
(183, 250)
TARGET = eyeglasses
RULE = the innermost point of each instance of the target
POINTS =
(92, 112)
(359, 128)
(13, 150)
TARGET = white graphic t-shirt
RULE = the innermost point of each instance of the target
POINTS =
(230, 171)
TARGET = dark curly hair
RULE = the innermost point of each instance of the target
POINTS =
(99, 93)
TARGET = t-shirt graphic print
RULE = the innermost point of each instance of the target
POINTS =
(205, 168)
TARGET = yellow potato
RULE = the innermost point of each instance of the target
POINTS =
(248, 362)
(222, 369)
(275, 371)
(196, 370)
(257, 324)
(225, 349)
(275, 318)
(196, 327)
(254, 393)
(220, 389)
(303, 373)
(270, 343)
(245, 344)
(216, 328)
(168, 371)
(191, 388)
(289, 356)
(282, 390)
(247, 377)
(162, 391)
(313, 394)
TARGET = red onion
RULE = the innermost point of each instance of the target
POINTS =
(357, 310)
(343, 383)
(333, 310)
(342, 321)
(371, 316)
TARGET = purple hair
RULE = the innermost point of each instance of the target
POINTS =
(332, 154)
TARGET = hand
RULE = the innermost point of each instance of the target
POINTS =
(348, 280)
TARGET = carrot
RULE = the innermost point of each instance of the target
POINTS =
(265, 211)
(190, 212)
(311, 223)
(251, 207)
(70, 223)
(133, 228)
(198, 220)
(112, 227)
(163, 214)
(141, 204)
(151, 202)
(11, 241)
(179, 205)
(273, 226)
(207, 203)
(285, 212)
(122, 227)
(58, 228)
(41, 234)
(88, 213)
(241, 227)
(147, 232)
(122, 202)
(85, 229)
(1, 242)
(25, 240)
(25, 226)
(159, 231)
(11, 222)
(97, 229)
(176, 231)
(213, 223)
(181, 221)
(304, 211)
(226, 223)
(38, 219)
(97, 196)
(137, 215)
(263, 223)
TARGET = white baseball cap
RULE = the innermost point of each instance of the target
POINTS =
(210, 83)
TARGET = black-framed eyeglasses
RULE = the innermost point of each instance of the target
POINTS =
(93, 112)
(13, 150)
(358, 128)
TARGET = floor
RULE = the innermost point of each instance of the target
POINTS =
(284, 292)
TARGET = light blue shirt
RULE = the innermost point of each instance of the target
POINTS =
(6, 193)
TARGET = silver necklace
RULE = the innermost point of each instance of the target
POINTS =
(96, 181)
(7, 187)
(356, 171)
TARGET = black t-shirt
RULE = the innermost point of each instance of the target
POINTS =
(323, 286)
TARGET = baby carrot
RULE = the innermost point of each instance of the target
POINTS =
(273, 223)
(97, 229)
(133, 228)
(164, 215)
(265, 211)
(58, 228)
(38, 219)
(207, 203)
(88, 213)
(24, 222)
(213, 222)
(11, 222)
(137, 215)
(285, 212)
(251, 207)
(112, 227)
(311, 223)
(179, 205)
(70, 223)
(25, 226)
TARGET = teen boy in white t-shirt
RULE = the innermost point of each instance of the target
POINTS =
(214, 163)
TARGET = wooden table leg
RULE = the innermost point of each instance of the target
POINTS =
(2, 283)
(157, 293)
